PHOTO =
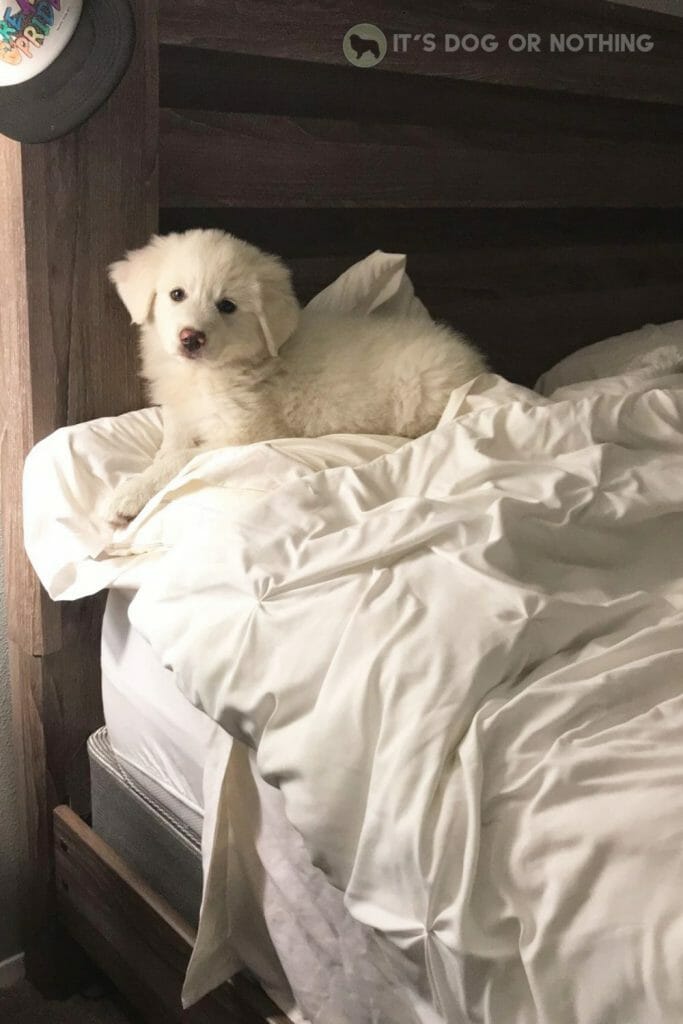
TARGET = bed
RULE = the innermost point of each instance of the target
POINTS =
(538, 196)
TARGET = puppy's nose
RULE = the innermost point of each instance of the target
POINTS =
(192, 340)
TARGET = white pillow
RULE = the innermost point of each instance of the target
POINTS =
(379, 282)
(655, 349)
(70, 475)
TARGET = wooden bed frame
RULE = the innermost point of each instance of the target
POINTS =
(540, 199)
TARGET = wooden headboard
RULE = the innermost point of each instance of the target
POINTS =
(539, 196)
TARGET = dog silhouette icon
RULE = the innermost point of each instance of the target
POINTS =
(361, 46)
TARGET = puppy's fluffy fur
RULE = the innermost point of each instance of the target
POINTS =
(254, 367)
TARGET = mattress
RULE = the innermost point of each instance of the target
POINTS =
(151, 839)
(290, 927)
(159, 739)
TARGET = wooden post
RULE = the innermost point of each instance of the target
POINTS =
(68, 208)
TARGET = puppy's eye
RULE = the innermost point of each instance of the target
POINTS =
(226, 306)
(178, 295)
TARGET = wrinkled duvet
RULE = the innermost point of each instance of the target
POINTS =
(462, 664)
(460, 659)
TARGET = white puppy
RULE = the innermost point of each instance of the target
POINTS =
(232, 359)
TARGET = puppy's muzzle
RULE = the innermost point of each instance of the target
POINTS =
(192, 341)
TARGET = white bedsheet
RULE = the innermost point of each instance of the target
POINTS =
(462, 665)
(287, 921)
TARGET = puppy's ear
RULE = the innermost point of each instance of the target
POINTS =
(277, 308)
(135, 279)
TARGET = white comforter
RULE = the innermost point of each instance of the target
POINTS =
(462, 663)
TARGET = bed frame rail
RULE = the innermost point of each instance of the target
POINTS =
(136, 937)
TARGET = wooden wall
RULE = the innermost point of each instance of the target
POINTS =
(66, 354)
(312, 31)
(539, 197)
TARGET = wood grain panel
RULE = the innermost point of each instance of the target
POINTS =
(211, 158)
(31, 786)
(300, 233)
(136, 936)
(68, 208)
(28, 614)
(520, 271)
(313, 30)
(205, 80)
(524, 337)
(30, 618)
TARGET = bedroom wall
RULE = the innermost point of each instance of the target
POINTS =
(9, 823)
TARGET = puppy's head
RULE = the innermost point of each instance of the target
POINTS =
(207, 296)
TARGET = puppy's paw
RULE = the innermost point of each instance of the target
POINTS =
(129, 498)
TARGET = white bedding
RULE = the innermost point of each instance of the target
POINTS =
(287, 921)
(462, 664)
(460, 661)
(653, 350)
